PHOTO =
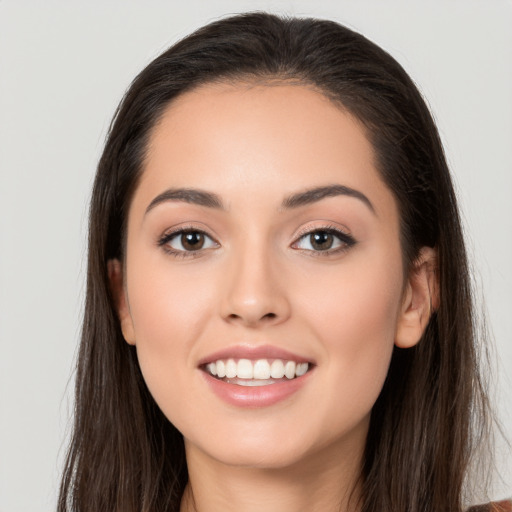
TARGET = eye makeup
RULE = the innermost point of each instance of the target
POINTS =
(190, 241)
(186, 242)
(323, 241)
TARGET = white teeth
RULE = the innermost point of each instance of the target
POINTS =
(277, 369)
(221, 369)
(301, 369)
(259, 371)
(289, 369)
(244, 369)
(212, 368)
(231, 368)
(251, 382)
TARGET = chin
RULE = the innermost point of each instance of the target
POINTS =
(253, 457)
(275, 448)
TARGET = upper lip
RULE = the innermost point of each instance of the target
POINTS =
(253, 352)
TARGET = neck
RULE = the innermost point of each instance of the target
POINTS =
(323, 483)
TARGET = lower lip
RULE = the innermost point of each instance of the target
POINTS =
(255, 396)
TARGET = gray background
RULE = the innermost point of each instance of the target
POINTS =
(63, 68)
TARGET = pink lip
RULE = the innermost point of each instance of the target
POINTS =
(253, 353)
(257, 396)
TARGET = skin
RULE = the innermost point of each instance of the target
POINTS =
(258, 282)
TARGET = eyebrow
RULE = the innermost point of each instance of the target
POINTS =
(188, 195)
(211, 200)
(318, 193)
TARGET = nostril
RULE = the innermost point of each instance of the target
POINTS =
(267, 316)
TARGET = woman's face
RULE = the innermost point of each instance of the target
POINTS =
(261, 239)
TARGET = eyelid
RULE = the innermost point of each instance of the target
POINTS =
(170, 234)
(344, 236)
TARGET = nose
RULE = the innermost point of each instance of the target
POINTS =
(254, 292)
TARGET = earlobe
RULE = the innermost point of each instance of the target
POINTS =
(115, 276)
(421, 299)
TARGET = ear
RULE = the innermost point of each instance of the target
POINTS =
(420, 300)
(115, 276)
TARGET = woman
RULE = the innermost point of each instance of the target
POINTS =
(278, 310)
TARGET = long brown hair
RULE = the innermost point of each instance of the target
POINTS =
(125, 456)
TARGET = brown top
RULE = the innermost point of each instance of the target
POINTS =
(495, 506)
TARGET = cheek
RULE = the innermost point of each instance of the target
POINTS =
(356, 317)
(168, 302)
(169, 313)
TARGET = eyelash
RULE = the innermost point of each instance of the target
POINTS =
(346, 240)
(164, 240)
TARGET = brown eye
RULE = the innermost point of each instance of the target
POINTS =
(192, 241)
(187, 241)
(321, 240)
(328, 241)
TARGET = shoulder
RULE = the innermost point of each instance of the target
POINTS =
(495, 506)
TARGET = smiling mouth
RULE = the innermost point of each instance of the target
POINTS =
(260, 372)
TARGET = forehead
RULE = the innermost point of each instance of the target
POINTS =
(253, 113)
(264, 138)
